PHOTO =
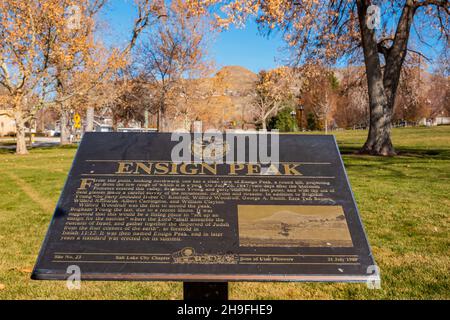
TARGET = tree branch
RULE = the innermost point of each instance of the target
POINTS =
(382, 48)
(440, 3)
(7, 113)
(142, 21)
(420, 54)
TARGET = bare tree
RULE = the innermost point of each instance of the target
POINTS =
(99, 68)
(351, 109)
(438, 95)
(319, 92)
(132, 102)
(172, 52)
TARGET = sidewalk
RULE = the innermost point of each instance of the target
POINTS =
(38, 142)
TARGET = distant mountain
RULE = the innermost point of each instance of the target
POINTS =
(228, 95)
(288, 217)
(236, 78)
(294, 218)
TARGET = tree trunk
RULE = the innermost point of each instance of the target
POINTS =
(21, 144)
(161, 118)
(114, 123)
(159, 121)
(187, 122)
(146, 115)
(90, 112)
(163, 121)
(264, 124)
(65, 127)
(383, 87)
(379, 139)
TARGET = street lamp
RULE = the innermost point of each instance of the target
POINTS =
(299, 113)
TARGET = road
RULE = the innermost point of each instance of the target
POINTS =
(38, 142)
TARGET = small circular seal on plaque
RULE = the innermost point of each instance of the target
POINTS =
(187, 252)
(213, 150)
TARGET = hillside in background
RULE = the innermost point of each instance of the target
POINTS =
(236, 79)
(221, 101)
(224, 100)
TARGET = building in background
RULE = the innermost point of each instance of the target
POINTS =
(7, 124)
(436, 121)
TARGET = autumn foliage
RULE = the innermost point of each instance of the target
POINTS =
(52, 57)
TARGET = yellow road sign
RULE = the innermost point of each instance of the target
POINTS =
(77, 121)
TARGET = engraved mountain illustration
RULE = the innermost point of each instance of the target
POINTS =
(293, 226)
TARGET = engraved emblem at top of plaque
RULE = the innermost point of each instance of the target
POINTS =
(212, 149)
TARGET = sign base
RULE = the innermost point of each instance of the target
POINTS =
(205, 291)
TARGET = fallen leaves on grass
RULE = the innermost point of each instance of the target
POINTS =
(23, 270)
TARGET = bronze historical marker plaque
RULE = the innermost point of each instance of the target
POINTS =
(128, 212)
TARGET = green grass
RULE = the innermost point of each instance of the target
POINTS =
(404, 202)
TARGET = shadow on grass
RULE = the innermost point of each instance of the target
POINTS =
(7, 150)
(404, 152)
(46, 148)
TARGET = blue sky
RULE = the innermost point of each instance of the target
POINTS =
(244, 47)
(248, 48)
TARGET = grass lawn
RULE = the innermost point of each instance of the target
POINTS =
(404, 202)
